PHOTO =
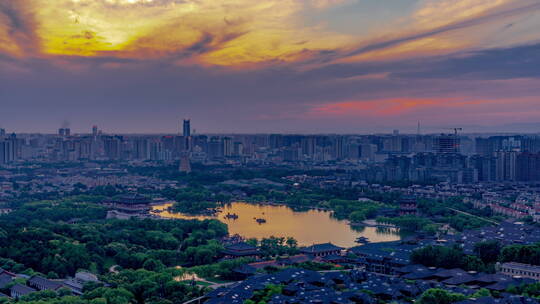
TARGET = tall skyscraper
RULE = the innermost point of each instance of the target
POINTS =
(8, 149)
(94, 131)
(187, 128)
(187, 134)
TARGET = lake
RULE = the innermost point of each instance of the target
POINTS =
(307, 227)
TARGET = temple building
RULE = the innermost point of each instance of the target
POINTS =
(129, 203)
(322, 250)
(408, 206)
(241, 250)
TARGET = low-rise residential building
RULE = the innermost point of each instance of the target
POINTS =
(521, 270)
(18, 290)
(42, 283)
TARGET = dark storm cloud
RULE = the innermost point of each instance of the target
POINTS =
(504, 63)
(131, 81)
(208, 43)
(20, 24)
(17, 22)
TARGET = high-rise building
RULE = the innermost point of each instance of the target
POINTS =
(531, 144)
(141, 149)
(187, 128)
(64, 132)
(2, 132)
(485, 166)
(113, 147)
(5, 152)
(215, 148)
(94, 131)
(185, 164)
(9, 149)
(238, 149)
(156, 150)
(308, 145)
(367, 151)
(275, 141)
(169, 145)
(528, 167)
(447, 143)
(201, 141)
(338, 144)
(187, 135)
(506, 165)
(228, 147)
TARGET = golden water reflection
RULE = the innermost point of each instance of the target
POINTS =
(307, 227)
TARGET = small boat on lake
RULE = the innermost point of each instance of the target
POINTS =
(362, 240)
(231, 216)
(260, 220)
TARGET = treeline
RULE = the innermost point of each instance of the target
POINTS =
(58, 238)
(486, 254)
(213, 174)
(527, 254)
(441, 296)
(128, 286)
(448, 257)
(410, 223)
(194, 200)
(276, 246)
(354, 210)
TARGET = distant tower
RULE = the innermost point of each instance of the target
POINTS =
(187, 128)
(94, 131)
(185, 164)
(187, 134)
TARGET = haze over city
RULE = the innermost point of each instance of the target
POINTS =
(294, 66)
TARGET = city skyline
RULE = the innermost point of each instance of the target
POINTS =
(516, 129)
(295, 66)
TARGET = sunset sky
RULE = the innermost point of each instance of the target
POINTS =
(313, 66)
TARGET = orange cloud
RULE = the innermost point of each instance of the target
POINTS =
(227, 32)
(442, 27)
(234, 33)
